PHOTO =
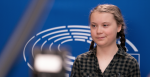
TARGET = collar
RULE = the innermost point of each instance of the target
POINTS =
(119, 52)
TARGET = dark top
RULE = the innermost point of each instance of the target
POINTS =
(122, 65)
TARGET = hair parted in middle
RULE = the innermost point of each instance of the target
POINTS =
(109, 8)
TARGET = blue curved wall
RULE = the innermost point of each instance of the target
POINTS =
(64, 17)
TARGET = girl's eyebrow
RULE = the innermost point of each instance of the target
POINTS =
(106, 22)
(93, 22)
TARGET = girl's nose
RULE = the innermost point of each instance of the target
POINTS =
(99, 30)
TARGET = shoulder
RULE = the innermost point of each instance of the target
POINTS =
(125, 57)
(134, 69)
(84, 56)
(130, 59)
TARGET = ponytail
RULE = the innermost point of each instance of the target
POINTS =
(92, 45)
(122, 38)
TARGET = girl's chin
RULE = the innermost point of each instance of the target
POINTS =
(101, 44)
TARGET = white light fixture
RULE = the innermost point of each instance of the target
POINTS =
(49, 63)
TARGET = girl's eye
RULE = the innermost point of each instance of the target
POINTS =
(105, 25)
(93, 25)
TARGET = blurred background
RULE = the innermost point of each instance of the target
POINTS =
(27, 24)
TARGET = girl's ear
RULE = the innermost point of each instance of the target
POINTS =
(119, 28)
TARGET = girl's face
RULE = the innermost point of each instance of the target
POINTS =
(103, 28)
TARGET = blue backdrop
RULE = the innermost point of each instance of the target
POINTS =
(67, 20)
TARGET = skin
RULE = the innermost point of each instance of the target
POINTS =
(104, 31)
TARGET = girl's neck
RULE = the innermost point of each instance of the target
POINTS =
(107, 51)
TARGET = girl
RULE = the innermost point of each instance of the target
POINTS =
(107, 59)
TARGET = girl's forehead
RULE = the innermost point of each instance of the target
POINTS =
(102, 17)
